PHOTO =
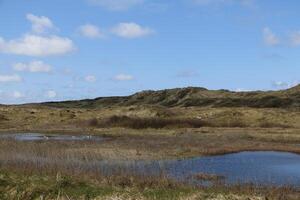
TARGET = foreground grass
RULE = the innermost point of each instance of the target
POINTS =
(29, 187)
(19, 186)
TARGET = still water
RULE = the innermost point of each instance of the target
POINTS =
(265, 168)
(258, 167)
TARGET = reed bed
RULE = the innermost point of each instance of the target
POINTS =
(53, 157)
(80, 169)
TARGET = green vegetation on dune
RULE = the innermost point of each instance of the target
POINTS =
(192, 96)
(174, 108)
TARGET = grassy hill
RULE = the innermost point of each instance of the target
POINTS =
(180, 107)
(193, 96)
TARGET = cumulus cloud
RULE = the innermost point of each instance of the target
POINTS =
(116, 5)
(241, 90)
(246, 3)
(90, 31)
(17, 95)
(39, 23)
(34, 45)
(207, 2)
(10, 78)
(123, 77)
(34, 66)
(125, 30)
(280, 84)
(90, 78)
(51, 94)
(284, 85)
(187, 74)
(295, 38)
(131, 30)
(269, 37)
(273, 56)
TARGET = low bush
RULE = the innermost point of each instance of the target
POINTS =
(266, 124)
(142, 123)
(159, 123)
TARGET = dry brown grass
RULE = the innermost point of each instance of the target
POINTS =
(28, 118)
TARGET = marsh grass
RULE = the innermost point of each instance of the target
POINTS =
(75, 174)
(46, 158)
(54, 169)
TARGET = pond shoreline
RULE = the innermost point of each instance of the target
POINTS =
(186, 143)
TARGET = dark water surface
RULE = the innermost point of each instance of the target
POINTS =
(260, 167)
(266, 168)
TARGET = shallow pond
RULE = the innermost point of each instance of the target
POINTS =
(266, 168)
(47, 137)
(260, 168)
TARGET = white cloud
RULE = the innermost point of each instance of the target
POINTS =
(116, 5)
(207, 2)
(273, 56)
(123, 77)
(90, 31)
(295, 38)
(242, 90)
(34, 66)
(34, 45)
(124, 30)
(39, 23)
(187, 74)
(51, 94)
(90, 78)
(269, 37)
(131, 30)
(246, 3)
(17, 95)
(284, 85)
(10, 78)
(280, 84)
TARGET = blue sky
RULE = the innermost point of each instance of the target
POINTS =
(66, 49)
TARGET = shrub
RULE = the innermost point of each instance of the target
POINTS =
(151, 122)
(273, 125)
(93, 122)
